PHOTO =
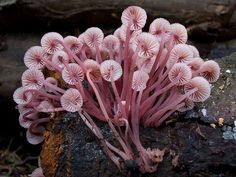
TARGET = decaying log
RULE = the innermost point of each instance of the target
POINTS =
(217, 17)
(194, 148)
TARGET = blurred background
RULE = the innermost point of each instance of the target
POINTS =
(211, 26)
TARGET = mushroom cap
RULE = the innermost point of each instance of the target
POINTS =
(31, 79)
(52, 81)
(71, 100)
(145, 64)
(35, 138)
(94, 69)
(136, 15)
(111, 70)
(33, 57)
(203, 89)
(139, 81)
(73, 43)
(180, 74)
(81, 39)
(93, 36)
(22, 98)
(210, 70)
(123, 31)
(195, 63)
(194, 50)
(111, 42)
(38, 172)
(60, 58)
(72, 74)
(189, 104)
(180, 54)
(179, 33)
(26, 122)
(148, 43)
(49, 44)
(44, 105)
(160, 28)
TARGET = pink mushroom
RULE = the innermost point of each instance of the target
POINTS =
(49, 43)
(135, 17)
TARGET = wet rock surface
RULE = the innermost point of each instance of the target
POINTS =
(222, 103)
(198, 149)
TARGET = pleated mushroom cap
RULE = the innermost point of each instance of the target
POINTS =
(180, 54)
(52, 81)
(134, 15)
(94, 68)
(179, 32)
(194, 50)
(93, 36)
(195, 63)
(180, 74)
(73, 74)
(60, 58)
(122, 32)
(22, 98)
(26, 122)
(149, 45)
(35, 138)
(145, 64)
(160, 28)
(49, 43)
(31, 79)
(203, 89)
(73, 43)
(44, 105)
(140, 79)
(210, 70)
(72, 100)
(34, 57)
(111, 70)
(111, 42)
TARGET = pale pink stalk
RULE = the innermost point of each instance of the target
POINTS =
(106, 114)
(167, 115)
(157, 115)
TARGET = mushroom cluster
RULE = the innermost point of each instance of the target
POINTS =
(125, 79)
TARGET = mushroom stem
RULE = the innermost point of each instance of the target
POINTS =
(105, 144)
(47, 110)
(98, 53)
(153, 83)
(51, 86)
(71, 54)
(167, 115)
(117, 96)
(149, 101)
(155, 117)
(162, 101)
(117, 136)
(157, 59)
(130, 78)
(56, 67)
(126, 59)
(44, 94)
(36, 123)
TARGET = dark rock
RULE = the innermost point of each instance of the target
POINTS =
(71, 150)
(209, 18)
(222, 103)
(68, 151)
